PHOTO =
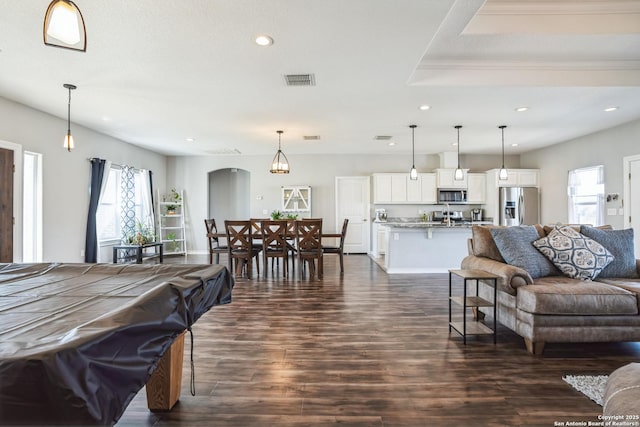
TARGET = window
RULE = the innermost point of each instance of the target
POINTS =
(32, 208)
(586, 195)
(109, 214)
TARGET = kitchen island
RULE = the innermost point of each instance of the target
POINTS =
(423, 247)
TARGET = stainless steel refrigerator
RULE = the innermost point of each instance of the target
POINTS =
(519, 206)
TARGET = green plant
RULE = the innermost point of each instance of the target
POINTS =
(173, 246)
(292, 216)
(175, 196)
(277, 215)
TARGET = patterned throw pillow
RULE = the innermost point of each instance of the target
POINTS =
(576, 255)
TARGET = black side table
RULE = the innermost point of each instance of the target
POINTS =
(473, 328)
(139, 252)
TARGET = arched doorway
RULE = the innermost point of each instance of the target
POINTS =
(229, 196)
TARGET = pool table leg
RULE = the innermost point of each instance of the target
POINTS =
(163, 388)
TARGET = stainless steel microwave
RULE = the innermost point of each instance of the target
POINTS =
(452, 196)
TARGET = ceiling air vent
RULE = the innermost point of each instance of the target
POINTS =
(311, 137)
(382, 137)
(300, 79)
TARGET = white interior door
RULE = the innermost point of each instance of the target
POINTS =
(352, 202)
(632, 198)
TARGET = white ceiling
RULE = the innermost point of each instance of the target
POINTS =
(157, 72)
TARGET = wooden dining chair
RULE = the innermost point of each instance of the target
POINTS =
(274, 244)
(213, 238)
(339, 249)
(240, 247)
(309, 246)
(291, 243)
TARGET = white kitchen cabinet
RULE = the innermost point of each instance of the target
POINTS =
(414, 189)
(381, 188)
(515, 178)
(390, 187)
(429, 188)
(476, 189)
(445, 178)
(398, 188)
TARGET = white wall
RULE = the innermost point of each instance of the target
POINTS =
(67, 175)
(606, 148)
(318, 171)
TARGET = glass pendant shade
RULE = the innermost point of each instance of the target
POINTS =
(413, 173)
(68, 139)
(280, 163)
(459, 173)
(64, 26)
(68, 142)
(503, 175)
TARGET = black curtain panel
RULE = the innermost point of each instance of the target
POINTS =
(91, 242)
(153, 204)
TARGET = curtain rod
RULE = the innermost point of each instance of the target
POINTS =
(117, 165)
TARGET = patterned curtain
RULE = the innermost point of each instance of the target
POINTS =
(128, 194)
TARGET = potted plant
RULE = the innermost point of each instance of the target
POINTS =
(275, 215)
(173, 246)
(142, 235)
(174, 200)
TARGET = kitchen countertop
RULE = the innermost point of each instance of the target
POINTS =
(432, 224)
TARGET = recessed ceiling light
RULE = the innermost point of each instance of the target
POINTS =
(264, 40)
(514, 145)
(425, 107)
(521, 109)
(190, 139)
(391, 144)
(608, 109)
(454, 144)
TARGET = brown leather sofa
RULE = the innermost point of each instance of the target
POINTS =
(556, 308)
(621, 399)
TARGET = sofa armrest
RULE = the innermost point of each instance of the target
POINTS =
(510, 277)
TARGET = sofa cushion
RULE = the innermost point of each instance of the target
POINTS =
(483, 243)
(622, 393)
(576, 255)
(620, 244)
(516, 247)
(566, 296)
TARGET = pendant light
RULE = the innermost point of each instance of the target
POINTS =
(413, 173)
(459, 173)
(503, 175)
(68, 139)
(64, 26)
(280, 164)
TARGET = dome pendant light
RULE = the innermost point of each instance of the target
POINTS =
(413, 173)
(64, 26)
(459, 173)
(503, 175)
(280, 164)
(68, 139)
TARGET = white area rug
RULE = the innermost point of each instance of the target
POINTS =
(591, 386)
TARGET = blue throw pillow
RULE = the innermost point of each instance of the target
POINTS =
(516, 247)
(620, 244)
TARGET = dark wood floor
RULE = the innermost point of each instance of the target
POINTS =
(369, 349)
